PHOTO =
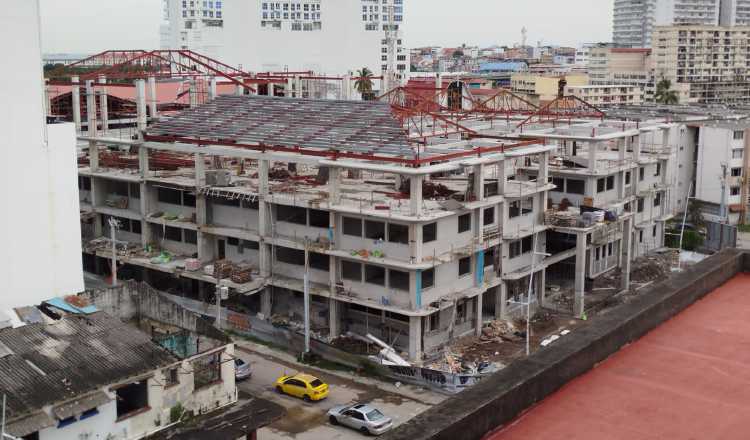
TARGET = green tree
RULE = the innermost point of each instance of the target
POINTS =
(664, 93)
(364, 84)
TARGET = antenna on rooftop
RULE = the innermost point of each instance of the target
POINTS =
(524, 36)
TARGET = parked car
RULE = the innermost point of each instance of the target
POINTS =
(304, 386)
(241, 369)
(362, 417)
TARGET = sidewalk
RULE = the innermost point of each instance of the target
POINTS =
(424, 395)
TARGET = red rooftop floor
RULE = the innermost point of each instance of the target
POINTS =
(689, 379)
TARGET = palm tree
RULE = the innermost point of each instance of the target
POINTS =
(664, 93)
(364, 83)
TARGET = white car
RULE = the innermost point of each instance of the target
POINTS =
(362, 417)
(241, 369)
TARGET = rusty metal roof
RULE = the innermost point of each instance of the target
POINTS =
(365, 127)
(53, 363)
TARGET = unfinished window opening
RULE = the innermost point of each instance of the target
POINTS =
(640, 205)
(653, 232)
(190, 236)
(135, 226)
(132, 399)
(351, 270)
(135, 190)
(641, 174)
(120, 188)
(352, 226)
(658, 169)
(223, 201)
(84, 183)
(736, 172)
(461, 312)
(172, 233)
(464, 266)
(398, 280)
(627, 177)
(490, 189)
(428, 278)
(527, 243)
(290, 256)
(527, 205)
(375, 275)
(188, 199)
(514, 249)
(610, 183)
(398, 233)
(640, 236)
(464, 223)
(575, 186)
(433, 323)
(319, 219)
(169, 195)
(657, 199)
(514, 209)
(735, 190)
(600, 184)
(319, 261)
(559, 183)
(429, 232)
(374, 230)
(488, 216)
(609, 249)
(233, 241)
(291, 214)
(489, 257)
(207, 370)
(171, 377)
(250, 204)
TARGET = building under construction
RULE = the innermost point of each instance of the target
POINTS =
(415, 217)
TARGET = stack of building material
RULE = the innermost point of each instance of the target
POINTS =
(192, 264)
(242, 273)
(222, 269)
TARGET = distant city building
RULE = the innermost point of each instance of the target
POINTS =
(709, 60)
(606, 95)
(622, 66)
(197, 25)
(544, 88)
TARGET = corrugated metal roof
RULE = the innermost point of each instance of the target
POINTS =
(367, 127)
(29, 424)
(78, 354)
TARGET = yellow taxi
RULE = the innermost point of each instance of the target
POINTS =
(304, 386)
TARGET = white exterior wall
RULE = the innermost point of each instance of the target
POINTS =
(716, 146)
(41, 252)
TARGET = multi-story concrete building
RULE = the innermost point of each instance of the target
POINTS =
(541, 88)
(605, 95)
(634, 20)
(712, 61)
(735, 13)
(196, 25)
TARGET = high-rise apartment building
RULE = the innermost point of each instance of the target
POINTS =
(193, 24)
(735, 12)
(634, 20)
(711, 60)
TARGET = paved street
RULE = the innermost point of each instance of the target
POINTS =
(308, 420)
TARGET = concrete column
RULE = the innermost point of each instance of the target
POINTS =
(103, 105)
(501, 299)
(263, 217)
(290, 92)
(415, 195)
(542, 280)
(479, 321)
(298, 82)
(145, 205)
(415, 242)
(334, 326)
(626, 250)
(140, 105)
(637, 148)
(479, 182)
(438, 86)
(200, 170)
(239, 90)
(334, 185)
(593, 146)
(152, 97)
(580, 281)
(76, 101)
(91, 108)
(415, 338)
(212, 88)
(193, 94)
(266, 306)
(269, 89)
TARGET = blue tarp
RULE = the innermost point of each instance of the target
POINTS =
(70, 308)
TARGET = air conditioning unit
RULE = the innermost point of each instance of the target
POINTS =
(218, 178)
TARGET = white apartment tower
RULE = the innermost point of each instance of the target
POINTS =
(634, 20)
(735, 12)
(193, 24)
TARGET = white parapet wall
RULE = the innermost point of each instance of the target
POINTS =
(40, 255)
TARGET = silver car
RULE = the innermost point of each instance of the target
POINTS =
(362, 417)
(241, 369)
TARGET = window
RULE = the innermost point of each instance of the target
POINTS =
(657, 199)
(575, 186)
(171, 377)
(600, 184)
(428, 278)
(737, 154)
(464, 266)
(398, 280)
(464, 223)
(514, 209)
(527, 243)
(84, 183)
(640, 205)
(319, 261)
(641, 174)
(640, 236)
(609, 249)
(351, 270)
(736, 172)
(735, 190)
(738, 135)
(527, 205)
(353, 226)
(121, 189)
(514, 248)
(398, 233)
(559, 183)
(168, 195)
(429, 232)
(627, 177)
(171, 233)
(206, 370)
(319, 219)
(610, 183)
(135, 191)
(489, 257)
(131, 398)
(375, 275)
(135, 226)
(374, 230)
(291, 214)
(190, 236)
(653, 232)
(658, 169)
(434, 323)
(488, 216)
(290, 256)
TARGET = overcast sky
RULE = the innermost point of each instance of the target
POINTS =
(86, 26)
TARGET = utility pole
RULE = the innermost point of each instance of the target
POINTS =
(113, 226)
(307, 298)
(723, 210)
